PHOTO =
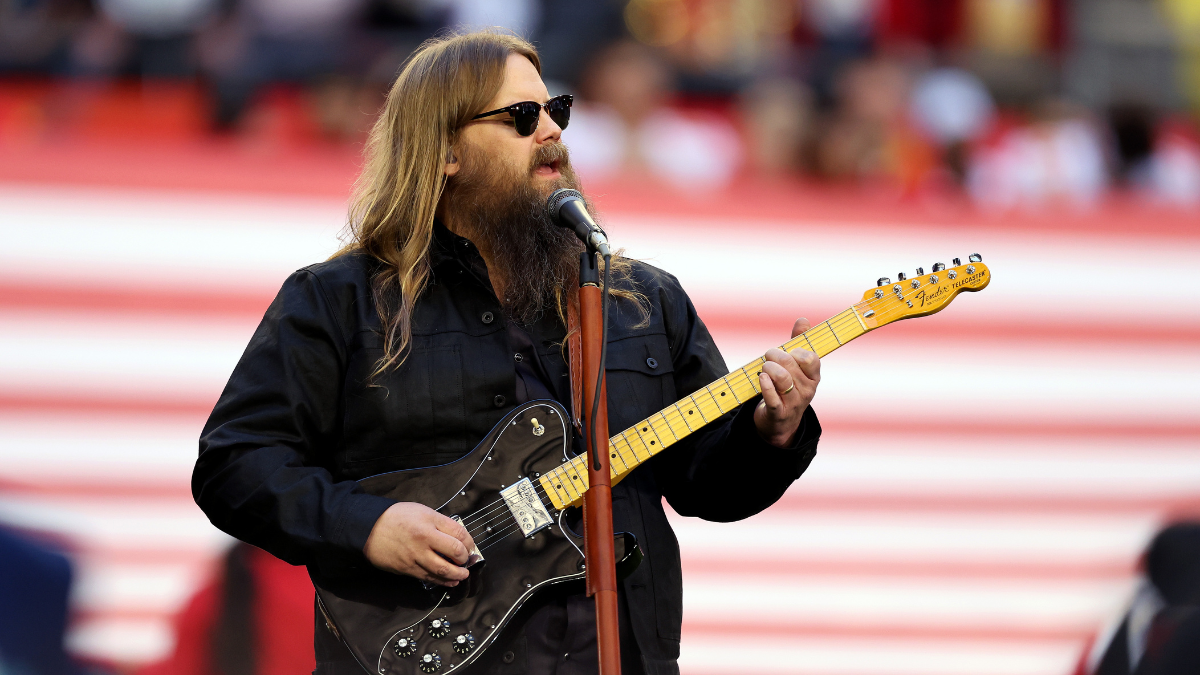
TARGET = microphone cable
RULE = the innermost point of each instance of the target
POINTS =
(603, 358)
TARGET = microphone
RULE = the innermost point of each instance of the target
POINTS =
(566, 209)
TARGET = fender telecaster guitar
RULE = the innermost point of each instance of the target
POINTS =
(514, 490)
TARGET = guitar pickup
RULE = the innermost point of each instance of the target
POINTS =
(526, 507)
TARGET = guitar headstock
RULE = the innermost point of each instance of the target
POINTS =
(923, 294)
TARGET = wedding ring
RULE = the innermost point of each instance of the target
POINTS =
(788, 389)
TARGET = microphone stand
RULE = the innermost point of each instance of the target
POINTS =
(599, 555)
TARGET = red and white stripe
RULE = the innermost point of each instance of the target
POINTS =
(986, 482)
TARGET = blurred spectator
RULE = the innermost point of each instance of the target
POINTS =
(518, 16)
(624, 126)
(868, 135)
(1122, 50)
(778, 114)
(254, 618)
(569, 36)
(843, 31)
(1013, 46)
(716, 46)
(1173, 176)
(266, 41)
(35, 34)
(1056, 159)
(150, 38)
(952, 107)
(1160, 632)
(35, 583)
(1184, 18)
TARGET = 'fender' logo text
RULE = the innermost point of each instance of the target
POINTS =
(928, 297)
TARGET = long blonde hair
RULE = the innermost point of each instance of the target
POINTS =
(447, 81)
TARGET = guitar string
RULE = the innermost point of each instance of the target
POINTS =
(511, 528)
(843, 322)
(497, 537)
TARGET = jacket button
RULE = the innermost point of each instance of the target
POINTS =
(487, 317)
(518, 357)
(499, 400)
(508, 657)
(652, 362)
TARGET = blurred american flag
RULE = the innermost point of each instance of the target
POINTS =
(987, 478)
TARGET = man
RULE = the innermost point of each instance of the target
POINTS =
(443, 313)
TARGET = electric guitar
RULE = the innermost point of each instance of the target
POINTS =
(514, 492)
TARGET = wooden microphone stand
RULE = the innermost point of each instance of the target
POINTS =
(597, 501)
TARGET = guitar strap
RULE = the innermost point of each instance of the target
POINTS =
(575, 359)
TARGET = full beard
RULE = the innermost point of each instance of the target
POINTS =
(505, 217)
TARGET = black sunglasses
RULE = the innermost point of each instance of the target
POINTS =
(526, 113)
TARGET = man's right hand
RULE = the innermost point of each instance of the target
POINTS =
(413, 539)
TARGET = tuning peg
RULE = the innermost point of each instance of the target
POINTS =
(901, 277)
(957, 262)
(975, 257)
(883, 280)
(938, 267)
(920, 271)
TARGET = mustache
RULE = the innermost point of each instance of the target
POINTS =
(550, 153)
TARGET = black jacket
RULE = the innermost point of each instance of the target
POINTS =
(297, 423)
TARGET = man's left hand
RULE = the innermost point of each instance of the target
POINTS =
(789, 382)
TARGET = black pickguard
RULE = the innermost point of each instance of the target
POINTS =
(373, 609)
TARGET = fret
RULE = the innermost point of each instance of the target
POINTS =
(662, 419)
(720, 396)
(675, 417)
(642, 429)
(615, 453)
(683, 415)
(732, 391)
(562, 483)
(811, 348)
(625, 435)
(833, 332)
(751, 383)
(707, 418)
(568, 482)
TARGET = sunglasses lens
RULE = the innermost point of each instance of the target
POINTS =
(559, 109)
(526, 118)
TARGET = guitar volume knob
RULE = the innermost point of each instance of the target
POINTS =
(431, 663)
(405, 647)
(438, 628)
(464, 643)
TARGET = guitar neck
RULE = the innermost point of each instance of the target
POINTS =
(628, 449)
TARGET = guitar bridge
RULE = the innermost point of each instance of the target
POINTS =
(526, 507)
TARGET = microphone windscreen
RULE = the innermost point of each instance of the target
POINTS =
(559, 197)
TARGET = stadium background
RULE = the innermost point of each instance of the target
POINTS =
(989, 476)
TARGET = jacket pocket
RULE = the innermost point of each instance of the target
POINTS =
(411, 415)
(638, 376)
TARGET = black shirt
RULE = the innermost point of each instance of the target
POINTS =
(300, 420)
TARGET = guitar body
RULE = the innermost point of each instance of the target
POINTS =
(391, 622)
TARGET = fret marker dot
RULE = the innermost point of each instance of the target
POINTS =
(689, 412)
(651, 442)
(722, 393)
(644, 429)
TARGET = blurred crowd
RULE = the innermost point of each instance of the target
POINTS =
(1012, 102)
